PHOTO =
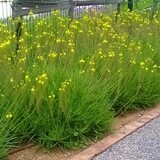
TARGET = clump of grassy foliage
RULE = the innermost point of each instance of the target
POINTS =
(67, 79)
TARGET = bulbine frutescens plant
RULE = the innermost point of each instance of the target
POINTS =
(68, 79)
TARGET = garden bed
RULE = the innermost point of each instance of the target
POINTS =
(63, 81)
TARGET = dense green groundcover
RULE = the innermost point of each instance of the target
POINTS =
(68, 79)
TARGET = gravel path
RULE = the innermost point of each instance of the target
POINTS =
(144, 144)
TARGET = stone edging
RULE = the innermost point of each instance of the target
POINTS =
(101, 146)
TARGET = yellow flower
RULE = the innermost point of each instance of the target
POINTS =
(80, 31)
(155, 66)
(91, 63)
(11, 80)
(105, 41)
(82, 72)
(38, 45)
(120, 54)
(72, 50)
(93, 69)
(41, 82)
(111, 54)
(44, 76)
(27, 78)
(58, 40)
(9, 59)
(49, 96)
(81, 61)
(33, 89)
(53, 55)
(142, 63)
(8, 116)
(150, 34)
(133, 61)
(30, 12)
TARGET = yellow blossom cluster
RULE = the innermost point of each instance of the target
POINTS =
(65, 85)
(42, 79)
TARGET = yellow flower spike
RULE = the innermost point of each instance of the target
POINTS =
(63, 89)
(155, 66)
(52, 55)
(26, 77)
(38, 45)
(44, 33)
(30, 13)
(9, 116)
(39, 81)
(101, 57)
(26, 50)
(72, 50)
(21, 40)
(138, 47)
(40, 58)
(64, 54)
(33, 89)
(80, 31)
(92, 69)
(70, 44)
(142, 63)
(91, 63)
(111, 54)
(82, 72)
(150, 34)
(81, 61)
(49, 96)
(11, 80)
(120, 54)
(105, 41)
(55, 13)
(44, 75)
(68, 32)
(133, 61)
(58, 41)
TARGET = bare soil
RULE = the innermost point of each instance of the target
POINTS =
(33, 153)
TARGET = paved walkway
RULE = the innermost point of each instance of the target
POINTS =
(143, 144)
